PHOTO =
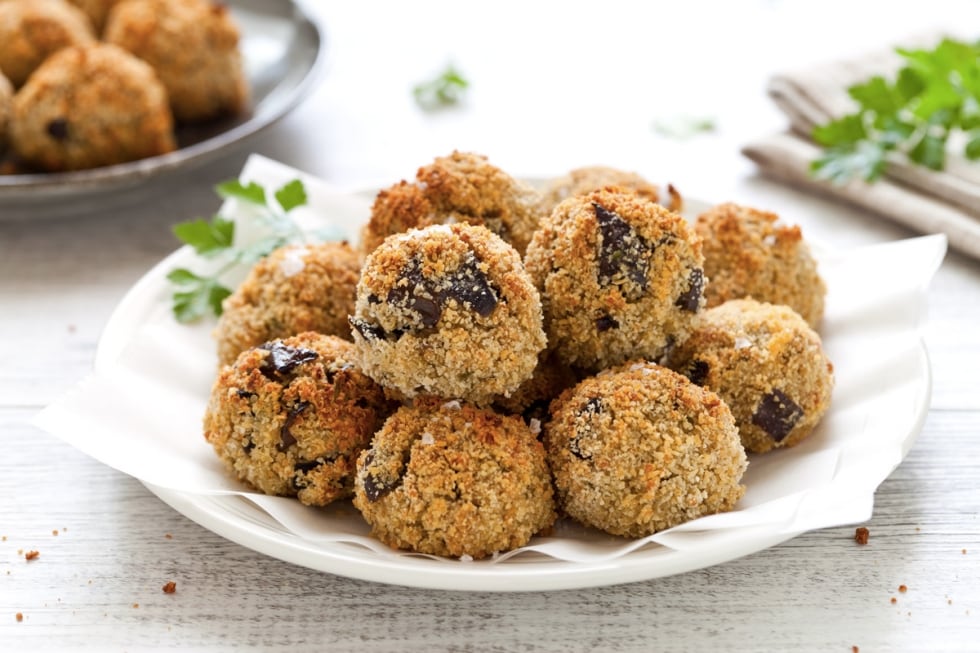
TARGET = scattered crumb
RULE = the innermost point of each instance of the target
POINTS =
(963, 551)
(894, 600)
(168, 536)
(136, 605)
(55, 532)
(903, 589)
(19, 616)
(4, 538)
(32, 555)
(89, 581)
(855, 649)
(861, 535)
(170, 587)
(20, 552)
(65, 529)
(918, 530)
(949, 601)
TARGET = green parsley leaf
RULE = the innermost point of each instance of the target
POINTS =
(930, 151)
(973, 145)
(934, 95)
(848, 129)
(199, 295)
(291, 195)
(444, 90)
(250, 193)
(840, 164)
(206, 237)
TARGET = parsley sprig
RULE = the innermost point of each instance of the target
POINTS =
(446, 89)
(935, 95)
(197, 294)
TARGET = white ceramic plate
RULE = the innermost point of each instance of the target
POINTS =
(882, 404)
(283, 50)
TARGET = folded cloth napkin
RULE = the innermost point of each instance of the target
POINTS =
(924, 200)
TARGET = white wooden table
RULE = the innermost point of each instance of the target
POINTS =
(551, 90)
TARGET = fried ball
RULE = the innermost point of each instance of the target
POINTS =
(291, 417)
(33, 30)
(639, 449)
(449, 479)
(447, 310)
(748, 253)
(294, 289)
(766, 363)
(90, 106)
(461, 187)
(620, 278)
(581, 181)
(192, 45)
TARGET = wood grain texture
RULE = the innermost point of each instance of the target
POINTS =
(61, 279)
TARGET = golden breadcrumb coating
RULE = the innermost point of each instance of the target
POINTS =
(294, 289)
(639, 449)
(291, 417)
(90, 106)
(447, 478)
(768, 365)
(748, 253)
(620, 278)
(461, 187)
(447, 310)
(33, 30)
(192, 45)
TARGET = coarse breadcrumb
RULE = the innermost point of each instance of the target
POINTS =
(620, 278)
(33, 30)
(294, 289)
(447, 478)
(170, 587)
(193, 47)
(90, 106)
(639, 449)
(447, 310)
(749, 253)
(766, 363)
(291, 417)
(582, 181)
(461, 187)
(861, 535)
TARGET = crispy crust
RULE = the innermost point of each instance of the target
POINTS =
(90, 106)
(582, 181)
(639, 449)
(450, 479)
(296, 432)
(461, 187)
(192, 45)
(463, 353)
(594, 324)
(296, 288)
(33, 30)
(748, 253)
(751, 354)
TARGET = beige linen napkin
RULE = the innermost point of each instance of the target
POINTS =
(919, 198)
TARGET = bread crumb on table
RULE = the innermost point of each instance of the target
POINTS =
(903, 589)
(855, 649)
(894, 600)
(19, 616)
(31, 555)
(861, 535)
(55, 532)
(170, 587)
